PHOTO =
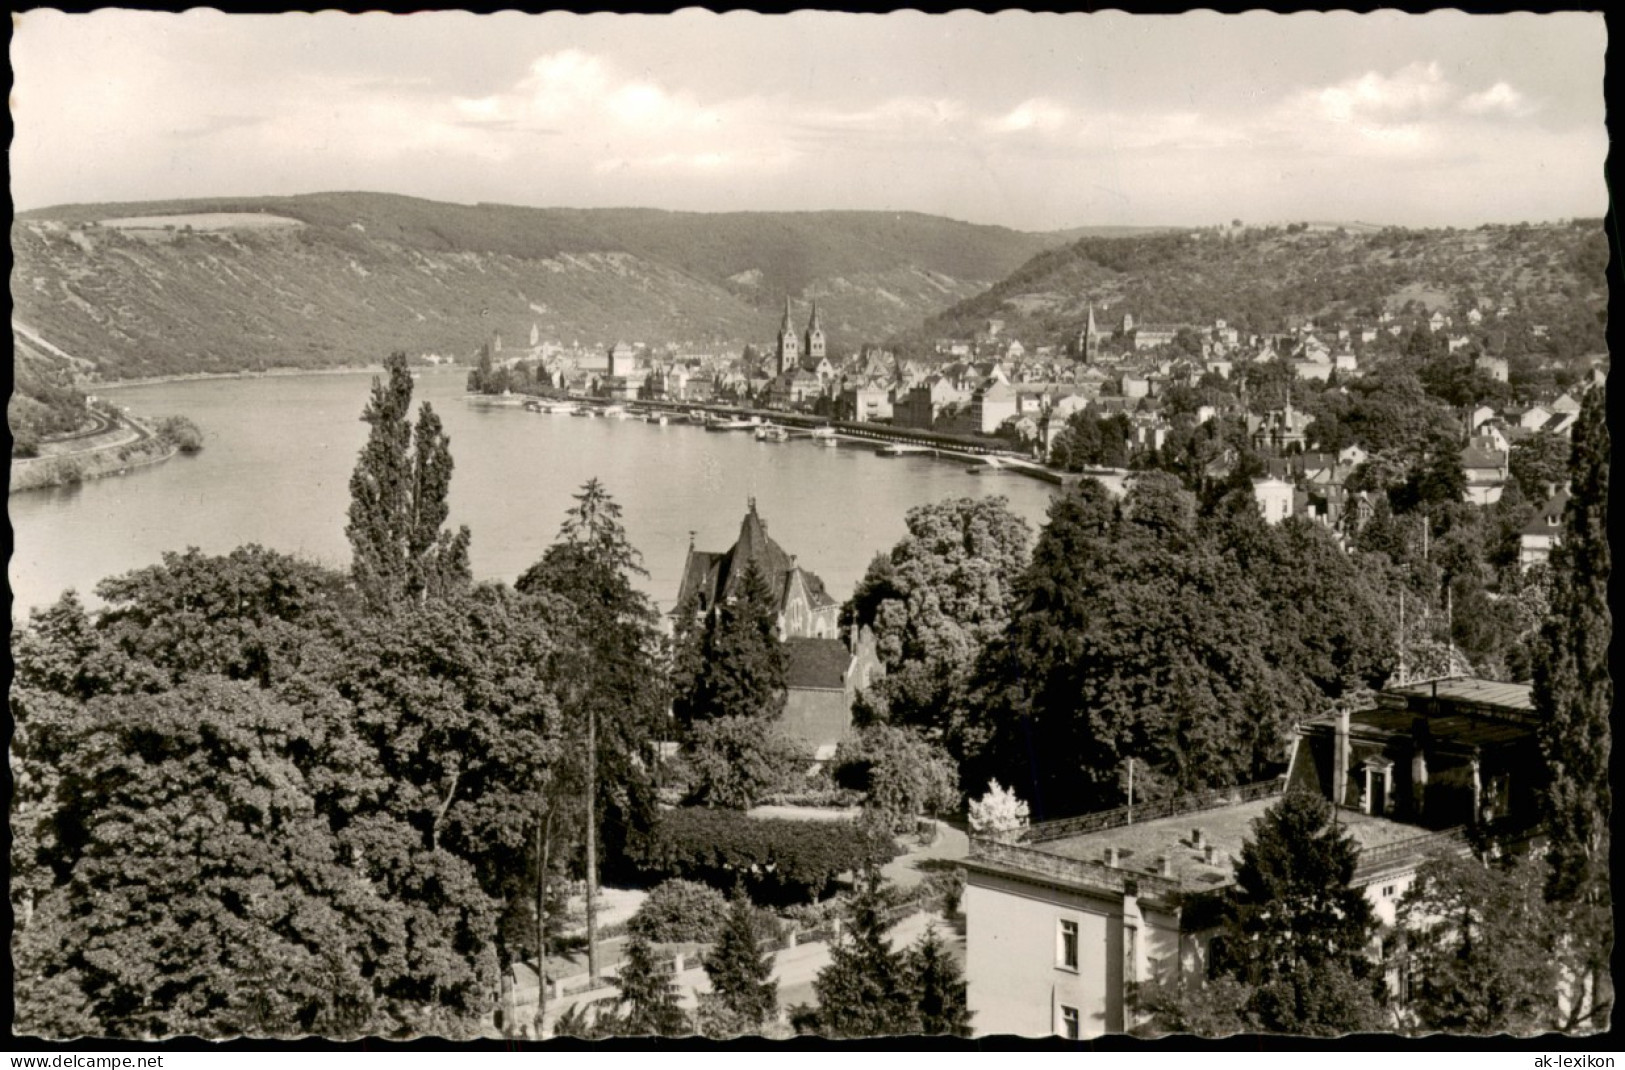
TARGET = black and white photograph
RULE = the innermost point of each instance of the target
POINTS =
(722, 528)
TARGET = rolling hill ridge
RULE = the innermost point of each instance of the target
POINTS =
(240, 283)
(1258, 279)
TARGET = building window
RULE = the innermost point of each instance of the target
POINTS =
(1069, 1023)
(1388, 891)
(1066, 946)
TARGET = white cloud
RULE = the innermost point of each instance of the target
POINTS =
(1499, 98)
(1415, 89)
(1036, 114)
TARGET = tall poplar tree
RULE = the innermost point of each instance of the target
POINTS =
(398, 499)
(1574, 694)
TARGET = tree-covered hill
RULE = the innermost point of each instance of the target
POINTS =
(205, 286)
(1256, 278)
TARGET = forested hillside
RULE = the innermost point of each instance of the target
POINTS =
(1257, 278)
(232, 283)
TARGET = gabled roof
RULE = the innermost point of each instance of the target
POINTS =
(714, 577)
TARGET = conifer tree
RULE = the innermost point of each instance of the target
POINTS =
(866, 990)
(939, 988)
(648, 993)
(741, 972)
(1293, 895)
(398, 499)
(617, 706)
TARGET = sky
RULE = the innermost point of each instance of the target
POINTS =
(1031, 121)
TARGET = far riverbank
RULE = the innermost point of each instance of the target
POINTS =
(117, 451)
(94, 385)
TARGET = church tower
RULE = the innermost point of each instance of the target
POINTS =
(1087, 338)
(789, 347)
(815, 336)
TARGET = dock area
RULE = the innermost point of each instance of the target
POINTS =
(990, 459)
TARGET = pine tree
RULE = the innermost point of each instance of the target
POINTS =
(1294, 901)
(866, 990)
(939, 988)
(648, 993)
(617, 706)
(742, 973)
(1299, 933)
(1574, 695)
(398, 495)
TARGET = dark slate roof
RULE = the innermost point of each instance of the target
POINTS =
(752, 545)
(718, 576)
(699, 574)
(816, 663)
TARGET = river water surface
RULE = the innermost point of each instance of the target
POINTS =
(279, 451)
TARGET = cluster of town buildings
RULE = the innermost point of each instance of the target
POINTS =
(992, 385)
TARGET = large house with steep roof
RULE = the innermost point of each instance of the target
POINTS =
(805, 609)
(824, 671)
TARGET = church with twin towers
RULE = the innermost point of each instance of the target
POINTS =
(792, 350)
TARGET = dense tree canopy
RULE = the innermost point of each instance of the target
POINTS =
(934, 601)
(1483, 947)
(332, 793)
(1190, 646)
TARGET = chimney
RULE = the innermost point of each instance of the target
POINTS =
(1165, 866)
(1196, 837)
(1112, 856)
(1210, 855)
(1340, 758)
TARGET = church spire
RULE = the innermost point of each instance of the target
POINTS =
(786, 327)
(812, 322)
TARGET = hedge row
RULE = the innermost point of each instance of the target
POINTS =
(778, 859)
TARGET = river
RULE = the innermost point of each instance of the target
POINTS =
(279, 451)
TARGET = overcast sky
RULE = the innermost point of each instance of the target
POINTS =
(1030, 121)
